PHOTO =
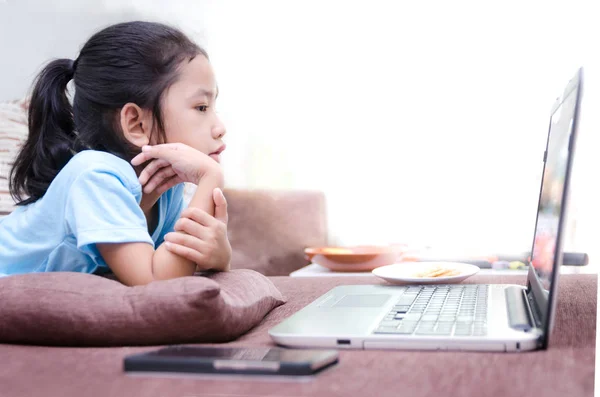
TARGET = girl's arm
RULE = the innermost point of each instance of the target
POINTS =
(133, 263)
(139, 263)
(202, 200)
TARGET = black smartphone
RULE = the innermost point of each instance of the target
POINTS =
(232, 360)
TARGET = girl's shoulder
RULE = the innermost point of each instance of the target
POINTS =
(88, 162)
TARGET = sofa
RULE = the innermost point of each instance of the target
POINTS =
(565, 369)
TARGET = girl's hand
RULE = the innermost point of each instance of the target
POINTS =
(204, 239)
(171, 164)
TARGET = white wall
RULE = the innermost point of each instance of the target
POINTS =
(423, 122)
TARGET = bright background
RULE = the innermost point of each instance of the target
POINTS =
(423, 122)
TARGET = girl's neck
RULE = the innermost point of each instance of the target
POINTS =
(148, 202)
(149, 206)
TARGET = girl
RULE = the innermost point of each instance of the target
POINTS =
(99, 185)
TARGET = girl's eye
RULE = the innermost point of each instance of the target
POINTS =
(202, 108)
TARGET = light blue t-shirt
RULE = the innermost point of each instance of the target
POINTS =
(94, 199)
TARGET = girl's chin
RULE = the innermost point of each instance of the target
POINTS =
(216, 157)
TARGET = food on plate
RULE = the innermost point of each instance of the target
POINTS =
(335, 250)
(437, 271)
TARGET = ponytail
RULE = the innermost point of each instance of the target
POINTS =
(49, 145)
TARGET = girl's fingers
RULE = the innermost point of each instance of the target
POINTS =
(166, 151)
(158, 179)
(192, 228)
(185, 252)
(151, 169)
(186, 240)
(139, 159)
(199, 216)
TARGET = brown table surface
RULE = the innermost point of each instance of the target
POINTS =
(565, 369)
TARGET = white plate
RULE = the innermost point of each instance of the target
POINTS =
(405, 273)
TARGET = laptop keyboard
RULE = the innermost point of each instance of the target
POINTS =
(442, 310)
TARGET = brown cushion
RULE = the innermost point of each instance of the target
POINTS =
(77, 309)
(269, 229)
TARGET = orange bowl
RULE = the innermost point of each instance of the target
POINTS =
(362, 258)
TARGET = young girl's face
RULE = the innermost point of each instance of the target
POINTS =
(189, 109)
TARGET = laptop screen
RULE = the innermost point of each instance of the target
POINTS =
(551, 196)
(547, 251)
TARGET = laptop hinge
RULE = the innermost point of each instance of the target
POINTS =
(534, 310)
(519, 316)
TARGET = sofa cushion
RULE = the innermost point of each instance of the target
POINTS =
(269, 229)
(77, 309)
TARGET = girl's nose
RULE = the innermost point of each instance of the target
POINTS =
(218, 130)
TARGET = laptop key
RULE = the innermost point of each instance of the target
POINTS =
(464, 324)
(393, 323)
(404, 331)
(405, 301)
(407, 328)
(446, 319)
(426, 332)
(409, 316)
(386, 330)
(462, 332)
(442, 332)
(408, 324)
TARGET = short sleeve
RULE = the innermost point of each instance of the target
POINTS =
(175, 204)
(103, 208)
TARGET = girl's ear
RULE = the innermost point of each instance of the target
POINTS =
(136, 124)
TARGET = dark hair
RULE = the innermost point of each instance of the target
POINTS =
(127, 62)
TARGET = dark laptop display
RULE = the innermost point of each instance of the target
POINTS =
(547, 244)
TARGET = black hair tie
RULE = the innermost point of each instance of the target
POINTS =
(72, 67)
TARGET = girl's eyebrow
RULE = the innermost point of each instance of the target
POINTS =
(205, 92)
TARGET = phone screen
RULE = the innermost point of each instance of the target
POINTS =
(243, 354)
(232, 360)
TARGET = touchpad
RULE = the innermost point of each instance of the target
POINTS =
(356, 300)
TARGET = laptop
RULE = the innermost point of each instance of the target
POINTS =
(495, 317)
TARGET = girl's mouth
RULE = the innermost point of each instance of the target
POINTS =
(216, 155)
